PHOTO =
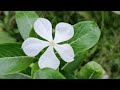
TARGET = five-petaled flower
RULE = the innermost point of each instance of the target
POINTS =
(33, 46)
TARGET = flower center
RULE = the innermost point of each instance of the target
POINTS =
(52, 43)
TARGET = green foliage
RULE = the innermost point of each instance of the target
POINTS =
(11, 50)
(106, 52)
(25, 21)
(27, 71)
(12, 59)
(48, 73)
(35, 67)
(108, 48)
(72, 66)
(5, 37)
(86, 35)
(91, 70)
(10, 65)
(15, 76)
(68, 75)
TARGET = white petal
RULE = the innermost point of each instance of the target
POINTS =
(43, 28)
(49, 59)
(64, 32)
(32, 46)
(65, 51)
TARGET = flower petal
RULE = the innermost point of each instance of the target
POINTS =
(65, 51)
(32, 46)
(64, 32)
(49, 59)
(43, 28)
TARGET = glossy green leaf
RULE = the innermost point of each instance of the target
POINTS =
(48, 73)
(25, 21)
(27, 71)
(91, 70)
(86, 35)
(15, 76)
(11, 50)
(68, 75)
(79, 58)
(35, 67)
(12, 59)
(9, 65)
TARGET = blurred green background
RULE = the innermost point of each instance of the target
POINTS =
(106, 52)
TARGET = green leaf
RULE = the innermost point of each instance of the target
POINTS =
(68, 75)
(35, 67)
(5, 37)
(12, 59)
(10, 65)
(15, 76)
(25, 21)
(116, 12)
(79, 58)
(33, 34)
(86, 35)
(11, 50)
(27, 71)
(48, 73)
(91, 70)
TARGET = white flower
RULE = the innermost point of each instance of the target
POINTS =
(33, 46)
